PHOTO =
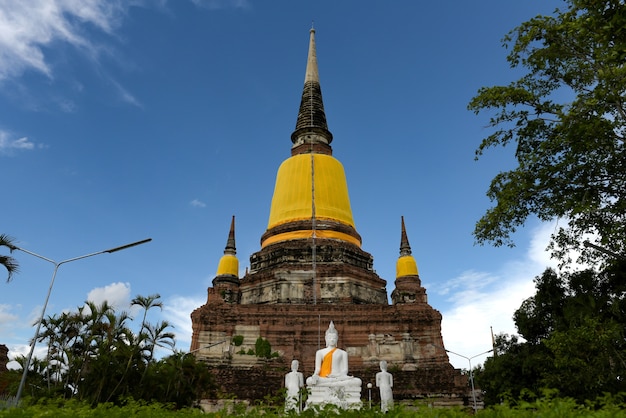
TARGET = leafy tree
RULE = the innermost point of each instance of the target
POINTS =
(158, 336)
(538, 315)
(94, 356)
(147, 302)
(574, 327)
(178, 379)
(567, 117)
(8, 262)
(514, 372)
(588, 359)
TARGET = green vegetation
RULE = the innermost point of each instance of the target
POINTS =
(567, 117)
(547, 407)
(262, 348)
(94, 357)
(575, 342)
(8, 262)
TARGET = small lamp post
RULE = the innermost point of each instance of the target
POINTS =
(45, 304)
(471, 373)
(369, 390)
(206, 346)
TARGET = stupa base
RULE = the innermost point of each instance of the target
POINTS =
(343, 397)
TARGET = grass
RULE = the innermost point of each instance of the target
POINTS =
(545, 408)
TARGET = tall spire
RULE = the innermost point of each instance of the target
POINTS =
(405, 248)
(311, 184)
(230, 243)
(311, 127)
(226, 281)
(229, 264)
(408, 284)
(406, 265)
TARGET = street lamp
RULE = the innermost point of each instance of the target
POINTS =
(471, 373)
(206, 346)
(45, 304)
(369, 389)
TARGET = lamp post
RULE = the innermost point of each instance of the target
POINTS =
(369, 389)
(45, 304)
(206, 346)
(471, 373)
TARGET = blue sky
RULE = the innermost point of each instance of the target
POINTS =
(123, 120)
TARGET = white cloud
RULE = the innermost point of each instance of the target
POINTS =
(124, 95)
(41, 351)
(222, 4)
(481, 300)
(30, 28)
(27, 26)
(7, 319)
(466, 326)
(12, 328)
(22, 143)
(177, 311)
(466, 284)
(116, 294)
(66, 105)
(197, 203)
(7, 145)
(539, 241)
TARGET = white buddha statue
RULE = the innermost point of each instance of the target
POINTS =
(384, 381)
(331, 364)
(293, 383)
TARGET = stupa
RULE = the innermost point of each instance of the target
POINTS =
(311, 270)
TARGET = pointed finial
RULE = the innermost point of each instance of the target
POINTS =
(311, 120)
(230, 243)
(331, 329)
(312, 73)
(405, 248)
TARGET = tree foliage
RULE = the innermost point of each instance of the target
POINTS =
(514, 373)
(94, 356)
(8, 262)
(567, 117)
(575, 342)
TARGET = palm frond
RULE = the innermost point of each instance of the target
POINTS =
(8, 262)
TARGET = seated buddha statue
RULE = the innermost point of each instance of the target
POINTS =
(331, 364)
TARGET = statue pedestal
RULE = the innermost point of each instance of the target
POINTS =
(344, 397)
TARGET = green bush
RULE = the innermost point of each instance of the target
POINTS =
(238, 340)
(263, 348)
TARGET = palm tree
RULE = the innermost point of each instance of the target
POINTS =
(147, 302)
(8, 262)
(158, 337)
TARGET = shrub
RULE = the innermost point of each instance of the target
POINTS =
(263, 348)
